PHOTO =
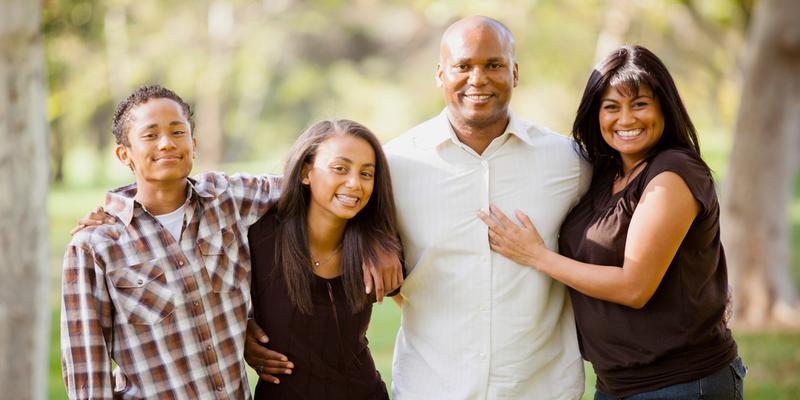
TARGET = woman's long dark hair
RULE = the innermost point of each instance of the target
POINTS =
(626, 69)
(373, 228)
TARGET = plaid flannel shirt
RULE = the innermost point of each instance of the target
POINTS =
(171, 314)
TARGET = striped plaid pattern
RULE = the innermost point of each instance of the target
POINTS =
(170, 314)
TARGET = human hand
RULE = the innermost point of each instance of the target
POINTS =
(386, 276)
(266, 362)
(94, 218)
(519, 243)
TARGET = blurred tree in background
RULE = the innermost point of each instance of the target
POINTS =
(24, 309)
(763, 168)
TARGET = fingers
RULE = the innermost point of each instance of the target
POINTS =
(276, 364)
(266, 362)
(268, 378)
(75, 230)
(378, 280)
(95, 218)
(367, 277)
(393, 274)
(495, 239)
(523, 218)
(504, 220)
(267, 357)
(398, 275)
(488, 220)
(497, 231)
(255, 331)
(276, 367)
(113, 233)
(267, 372)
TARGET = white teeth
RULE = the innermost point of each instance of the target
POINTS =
(477, 97)
(630, 133)
(348, 200)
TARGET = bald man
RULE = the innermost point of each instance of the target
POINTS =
(476, 325)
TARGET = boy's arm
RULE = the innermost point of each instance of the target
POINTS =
(86, 327)
(254, 195)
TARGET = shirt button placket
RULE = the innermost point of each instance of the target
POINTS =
(486, 261)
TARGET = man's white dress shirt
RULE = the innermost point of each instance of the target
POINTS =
(476, 325)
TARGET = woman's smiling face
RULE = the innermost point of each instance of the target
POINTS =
(341, 177)
(631, 124)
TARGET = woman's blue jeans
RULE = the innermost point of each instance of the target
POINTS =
(725, 384)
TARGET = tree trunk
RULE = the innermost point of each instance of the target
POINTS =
(24, 305)
(617, 23)
(210, 109)
(763, 163)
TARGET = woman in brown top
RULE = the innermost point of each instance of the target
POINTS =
(641, 251)
(336, 209)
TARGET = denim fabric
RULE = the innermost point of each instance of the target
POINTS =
(725, 384)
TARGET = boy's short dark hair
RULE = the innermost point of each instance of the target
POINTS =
(141, 95)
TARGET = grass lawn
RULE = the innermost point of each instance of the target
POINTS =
(773, 359)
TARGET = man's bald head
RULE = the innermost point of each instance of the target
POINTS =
(457, 31)
(477, 72)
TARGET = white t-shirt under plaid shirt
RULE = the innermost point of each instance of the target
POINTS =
(171, 314)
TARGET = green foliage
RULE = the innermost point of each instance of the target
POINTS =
(274, 67)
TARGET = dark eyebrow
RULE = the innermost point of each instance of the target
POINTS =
(489, 60)
(173, 123)
(345, 159)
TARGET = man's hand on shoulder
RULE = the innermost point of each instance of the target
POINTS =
(95, 218)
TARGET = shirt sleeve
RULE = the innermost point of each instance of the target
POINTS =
(254, 195)
(86, 327)
(586, 177)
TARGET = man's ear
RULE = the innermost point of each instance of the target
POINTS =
(121, 151)
(516, 74)
(439, 75)
(194, 147)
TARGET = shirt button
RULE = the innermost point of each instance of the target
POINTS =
(196, 304)
(180, 263)
(482, 355)
(219, 388)
(208, 348)
(140, 282)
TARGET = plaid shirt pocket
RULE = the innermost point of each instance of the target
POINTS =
(142, 293)
(223, 259)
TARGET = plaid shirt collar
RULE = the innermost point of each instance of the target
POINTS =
(121, 201)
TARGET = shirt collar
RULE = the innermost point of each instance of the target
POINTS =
(442, 131)
(121, 202)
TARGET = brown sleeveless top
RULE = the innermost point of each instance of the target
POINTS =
(679, 335)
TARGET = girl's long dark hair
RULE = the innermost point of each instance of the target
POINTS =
(626, 69)
(372, 229)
